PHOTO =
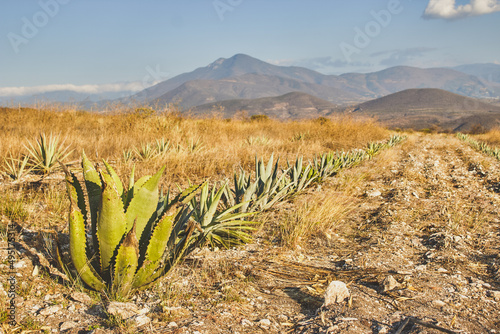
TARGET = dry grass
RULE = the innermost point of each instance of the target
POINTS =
(492, 137)
(225, 144)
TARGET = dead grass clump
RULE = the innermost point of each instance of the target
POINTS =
(492, 137)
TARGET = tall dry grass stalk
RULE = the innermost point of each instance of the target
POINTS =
(225, 144)
(492, 137)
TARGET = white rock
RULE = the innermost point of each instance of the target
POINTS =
(50, 310)
(389, 283)
(172, 324)
(35, 271)
(123, 310)
(265, 323)
(20, 264)
(336, 292)
(494, 294)
(67, 325)
(81, 297)
(141, 320)
(246, 322)
(438, 303)
(373, 193)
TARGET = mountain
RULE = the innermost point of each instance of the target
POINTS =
(489, 72)
(424, 108)
(295, 105)
(242, 76)
(223, 68)
(249, 86)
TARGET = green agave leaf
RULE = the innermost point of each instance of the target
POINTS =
(174, 256)
(125, 265)
(215, 199)
(144, 203)
(94, 190)
(155, 249)
(118, 182)
(78, 237)
(127, 196)
(111, 222)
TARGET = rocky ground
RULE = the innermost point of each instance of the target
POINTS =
(421, 247)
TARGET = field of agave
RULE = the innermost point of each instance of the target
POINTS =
(480, 146)
(138, 235)
(123, 238)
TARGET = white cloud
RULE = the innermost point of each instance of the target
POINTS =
(88, 89)
(449, 10)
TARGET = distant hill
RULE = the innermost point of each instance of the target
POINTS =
(295, 105)
(249, 86)
(424, 108)
(242, 76)
(489, 72)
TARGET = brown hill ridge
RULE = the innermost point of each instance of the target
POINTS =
(428, 107)
(295, 105)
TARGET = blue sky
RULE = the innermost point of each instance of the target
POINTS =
(117, 44)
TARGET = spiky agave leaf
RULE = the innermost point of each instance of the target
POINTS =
(111, 222)
(155, 249)
(144, 203)
(78, 239)
(125, 265)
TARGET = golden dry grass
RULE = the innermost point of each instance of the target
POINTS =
(226, 144)
(492, 137)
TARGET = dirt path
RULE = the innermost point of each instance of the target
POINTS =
(430, 220)
(423, 241)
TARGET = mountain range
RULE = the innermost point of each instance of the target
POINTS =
(244, 77)
(243, 83)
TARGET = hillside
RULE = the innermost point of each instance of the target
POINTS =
(424, 108)
(238, 76)
(293, 105)
(248, 86)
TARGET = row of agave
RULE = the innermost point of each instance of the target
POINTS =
(480, 146)
(138, 233)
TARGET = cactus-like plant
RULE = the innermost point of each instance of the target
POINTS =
(219, 226)
(135, 233)
(45, 153)
(301, 177)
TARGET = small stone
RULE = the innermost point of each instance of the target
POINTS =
(282, 318)
(50, 310)
(494, 294)
(336, 292)
(123, 310)
(438, 303)
(81, 298)
(35, 271)
(421, 267)
(442, 270)
(141, 320)
(20, 264)
(265, 323)
(373, 193)
(246, 322)
(172, 324)
(389, 283)
(67, 325)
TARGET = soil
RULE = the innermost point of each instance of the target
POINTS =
(421, 247)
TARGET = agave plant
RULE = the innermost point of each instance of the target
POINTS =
(268, 188)
(301, 177)
(135, 233)
(45, 153)
(219, 227)
(374, 148)
(16, 169)
(146, 152)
